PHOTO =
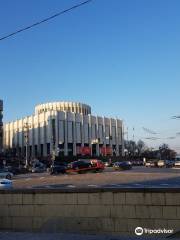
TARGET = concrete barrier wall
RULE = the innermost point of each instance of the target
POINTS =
(109, 211)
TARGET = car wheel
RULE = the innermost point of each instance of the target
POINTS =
(8, 176)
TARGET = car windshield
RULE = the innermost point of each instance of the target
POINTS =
(3, 170)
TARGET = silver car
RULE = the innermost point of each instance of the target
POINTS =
(4, 173)
(5, 184)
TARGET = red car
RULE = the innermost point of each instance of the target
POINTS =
(85, 165)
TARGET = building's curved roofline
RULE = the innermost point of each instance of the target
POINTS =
(70, 106)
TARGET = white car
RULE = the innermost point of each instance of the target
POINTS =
(177, 164)
(161, 163)
(5, 183)
(148, 164)
(4, 173)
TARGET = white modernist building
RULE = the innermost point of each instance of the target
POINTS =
(65, 129)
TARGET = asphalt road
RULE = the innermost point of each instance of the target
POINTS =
(137, 177)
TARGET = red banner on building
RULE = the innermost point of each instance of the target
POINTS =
(83, 150)
(106, 151)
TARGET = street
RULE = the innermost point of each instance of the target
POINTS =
(138, 176)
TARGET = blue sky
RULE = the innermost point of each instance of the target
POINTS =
(122, 57)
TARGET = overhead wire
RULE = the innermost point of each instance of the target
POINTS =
(44, 20)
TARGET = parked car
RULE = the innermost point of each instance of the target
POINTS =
(5, 184)
(38, 168)
(125, 165)
(161, 163)
(177, 164)
(58, 167)
(148, 164)
(4, 173)
(169, 163)
(151, 163)
(137, 162)
(17, 170)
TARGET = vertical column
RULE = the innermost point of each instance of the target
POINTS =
(56, 132)
(50, 133)
(110, 134)
(74, 135)
(44, 135)
(32, 129)
(82, 130)
(117, 138)
(38, 135)
(65, 136)
(104, 134)
(53, 135)
(90, 133)
(97, 136)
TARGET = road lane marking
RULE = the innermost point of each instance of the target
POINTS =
(114, 184)
(27, 179)
(92, 185)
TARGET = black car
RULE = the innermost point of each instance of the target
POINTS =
(80, 165)
(125, 165)
(17, 170)
(58, 167)
(137, 162)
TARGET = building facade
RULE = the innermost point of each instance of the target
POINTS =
(1, 125)
(65, 129)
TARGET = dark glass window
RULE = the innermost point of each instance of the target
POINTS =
(35, 150)
(30, 151)
(41, 150)
(53, 130)
(48, 148)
